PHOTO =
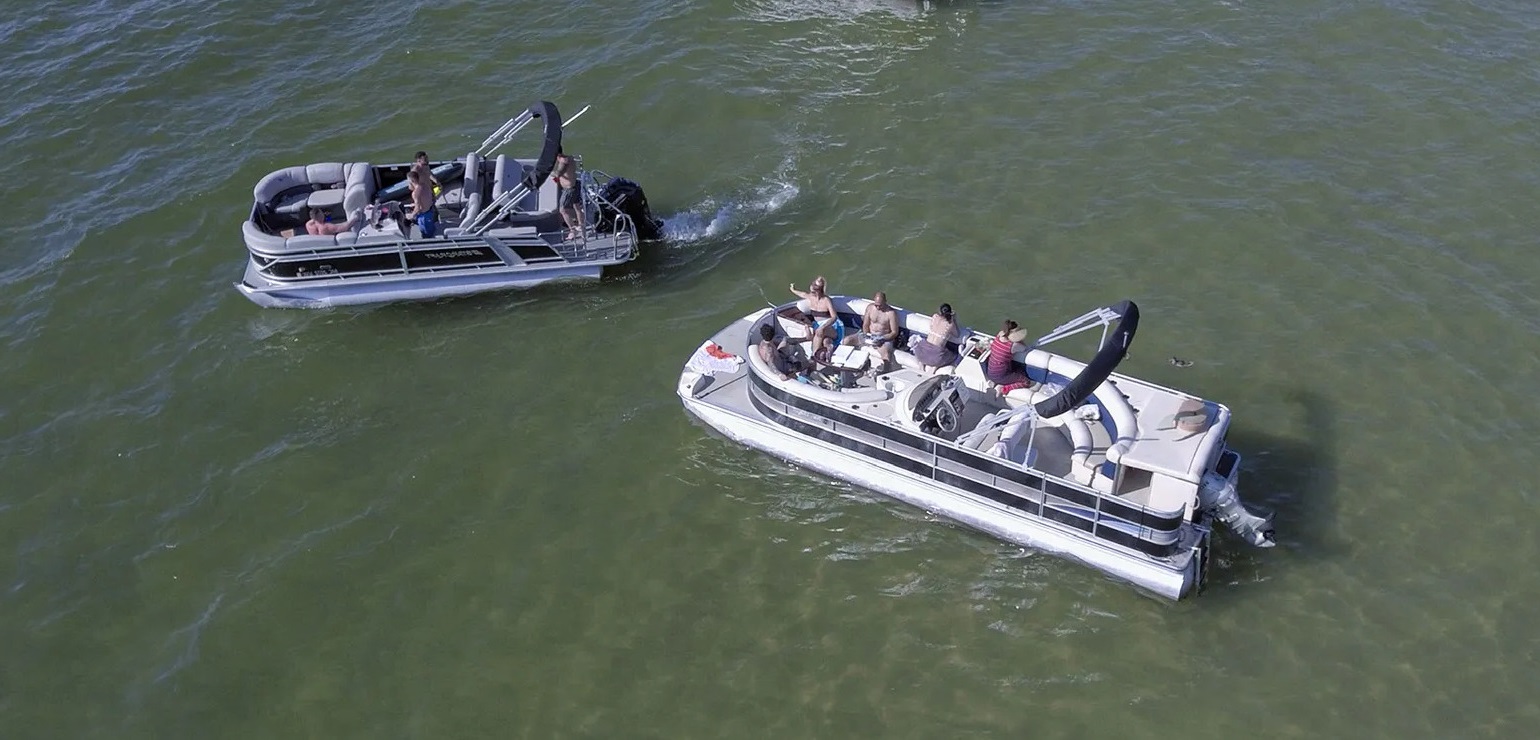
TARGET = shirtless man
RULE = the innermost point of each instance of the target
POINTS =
(319, 226)
(825, 321)
(422, 211)
(772, 352)
(567, 202)
(879, 328)
(420, 164)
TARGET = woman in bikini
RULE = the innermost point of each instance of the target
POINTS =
(999, 369)
(933, 352)
(826, 322)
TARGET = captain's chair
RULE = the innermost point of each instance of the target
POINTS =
(472, 188)
(359, 187)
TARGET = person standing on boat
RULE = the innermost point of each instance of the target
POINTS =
(999, 369)
(821, 308)
(879, 328)
(933, 353)
(420, 164)
(319, 226)
(422, 211)
(567, 202)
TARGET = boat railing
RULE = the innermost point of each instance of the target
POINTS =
(1082, 502)
(593, 193)
(379, 259)
(457, 253)
(500, 208)
(507, 203)
(504, 134)
(1075, 498)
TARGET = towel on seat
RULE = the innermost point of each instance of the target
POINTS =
(709, 359)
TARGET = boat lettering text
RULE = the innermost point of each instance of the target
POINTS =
(452, 254)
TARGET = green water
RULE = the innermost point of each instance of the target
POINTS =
(491, 517)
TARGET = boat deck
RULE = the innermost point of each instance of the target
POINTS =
(1051, 447)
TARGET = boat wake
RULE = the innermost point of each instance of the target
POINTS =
(713, 217)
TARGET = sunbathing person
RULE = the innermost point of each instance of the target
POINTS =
(825, 320)
(879, 329)
(778, 354)
(319, 225)
(933, 353)
(999, 369)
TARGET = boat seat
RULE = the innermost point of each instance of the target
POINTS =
(1012, 438)
(509, 174)
(545, 197)
(325, 199)
(500, 175)
(472, 187)
(292, 190)
(359, 188)
(310, 241)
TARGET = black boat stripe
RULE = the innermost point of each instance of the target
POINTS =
(920, 468)
(1133, 514)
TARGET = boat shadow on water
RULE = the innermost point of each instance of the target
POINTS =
(1294, 475)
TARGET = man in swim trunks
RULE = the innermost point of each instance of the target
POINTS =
(422, 211)
(420, 164)
(319, 226)
(774, 353)
(879, 328)
(825, 321)
(567, 202)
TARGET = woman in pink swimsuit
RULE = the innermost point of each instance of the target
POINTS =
(999, 369)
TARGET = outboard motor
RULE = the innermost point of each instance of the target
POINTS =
(625, 196)
(1217, 497)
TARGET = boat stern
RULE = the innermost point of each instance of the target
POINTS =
(1219, 497)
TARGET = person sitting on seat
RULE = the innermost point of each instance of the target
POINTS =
(933, 353)
(423, 211)
(318, 225)
(775, 354)
(826, 322)
(879, 329)
(999, 369)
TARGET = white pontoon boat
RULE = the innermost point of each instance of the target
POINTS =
(498, 227)
(1120, 474)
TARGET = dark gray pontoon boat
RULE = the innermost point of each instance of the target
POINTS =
(498, 227)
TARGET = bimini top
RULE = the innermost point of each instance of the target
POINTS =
(1114, 349)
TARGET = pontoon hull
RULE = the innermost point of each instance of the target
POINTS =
(363, 291)
(933, 496)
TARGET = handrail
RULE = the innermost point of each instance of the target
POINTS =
(500, 207)
(507, 131)
(1099, 515)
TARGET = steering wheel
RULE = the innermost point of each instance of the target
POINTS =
(946, 416)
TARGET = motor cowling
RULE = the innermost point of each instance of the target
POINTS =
(622, 196)
(1217, 497)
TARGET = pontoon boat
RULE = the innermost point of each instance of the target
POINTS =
(498, 227)
(1121, 474)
